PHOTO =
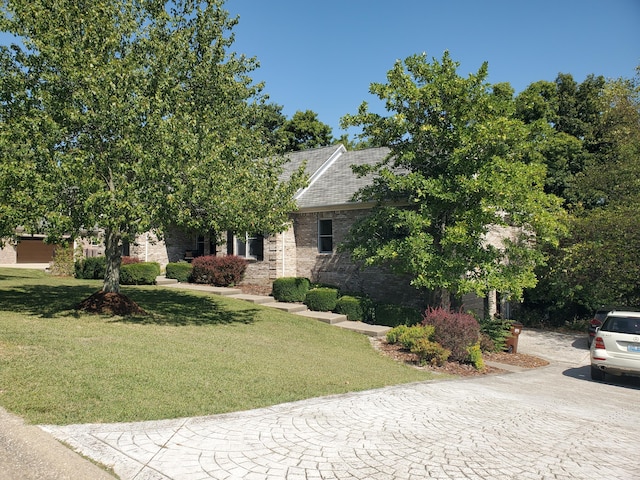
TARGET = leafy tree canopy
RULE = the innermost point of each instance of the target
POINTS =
(304, 131)
(128, 116)
(461, 169)
(598, 263)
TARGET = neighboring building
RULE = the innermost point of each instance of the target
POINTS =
(26, 249)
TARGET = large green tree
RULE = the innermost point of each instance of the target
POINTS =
(598, 262)
(461, 168)
(304, 131)
(128, 116)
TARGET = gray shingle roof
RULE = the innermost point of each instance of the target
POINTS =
(332, 182)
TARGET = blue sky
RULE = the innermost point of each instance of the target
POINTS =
(322, 56)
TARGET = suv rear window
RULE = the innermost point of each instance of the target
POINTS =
(629, 325)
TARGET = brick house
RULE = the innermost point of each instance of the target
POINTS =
(308, 248)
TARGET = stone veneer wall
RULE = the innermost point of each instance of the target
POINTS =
(8, 253)
(276, 263)
(171, 248)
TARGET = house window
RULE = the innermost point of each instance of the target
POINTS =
(325, 236)
(249, 246)
(201, 245)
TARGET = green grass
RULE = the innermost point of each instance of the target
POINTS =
(195, 354)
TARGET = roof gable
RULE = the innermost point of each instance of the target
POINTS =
(332, 182)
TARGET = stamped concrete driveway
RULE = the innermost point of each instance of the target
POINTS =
(548, 423)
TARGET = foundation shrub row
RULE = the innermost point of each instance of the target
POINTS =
(132, 270)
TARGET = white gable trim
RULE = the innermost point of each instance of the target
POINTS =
(318, 173)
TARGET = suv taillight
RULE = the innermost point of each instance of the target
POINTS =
(595, 322)
(599, 343)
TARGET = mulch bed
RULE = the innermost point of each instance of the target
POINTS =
(110, 303)
(399, 354)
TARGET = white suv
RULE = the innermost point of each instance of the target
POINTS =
(615, 348)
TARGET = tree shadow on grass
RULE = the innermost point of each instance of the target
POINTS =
(164, 307)
(170, 307)
(44, 301)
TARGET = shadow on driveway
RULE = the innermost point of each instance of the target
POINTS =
(582, 373)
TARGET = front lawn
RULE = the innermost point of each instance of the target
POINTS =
(195, 354)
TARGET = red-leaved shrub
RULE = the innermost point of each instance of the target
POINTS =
(455, 331)
(218, 271)
(129, 260)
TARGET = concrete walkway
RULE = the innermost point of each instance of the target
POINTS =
(296, 308)
(547, 423)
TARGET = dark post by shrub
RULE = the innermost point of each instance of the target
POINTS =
(321, 299)
(455, 331)
(180, 271)
(219, 271)
(290, 289)
(139, 273)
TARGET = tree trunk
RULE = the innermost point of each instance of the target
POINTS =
(445, 299)
(113, 254)
(491, 304)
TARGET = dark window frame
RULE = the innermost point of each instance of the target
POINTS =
(325, 235)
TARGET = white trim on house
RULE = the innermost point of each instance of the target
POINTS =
(318, 173)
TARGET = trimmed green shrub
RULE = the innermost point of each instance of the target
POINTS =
(180, 271)
(91, 268)
(141, 273)
(219, 271)
(475, 356)
(356, 308)
(430, 352)
(290, 289)
(409, 336)
(392, 315)
(455, 331)
(321, 299)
